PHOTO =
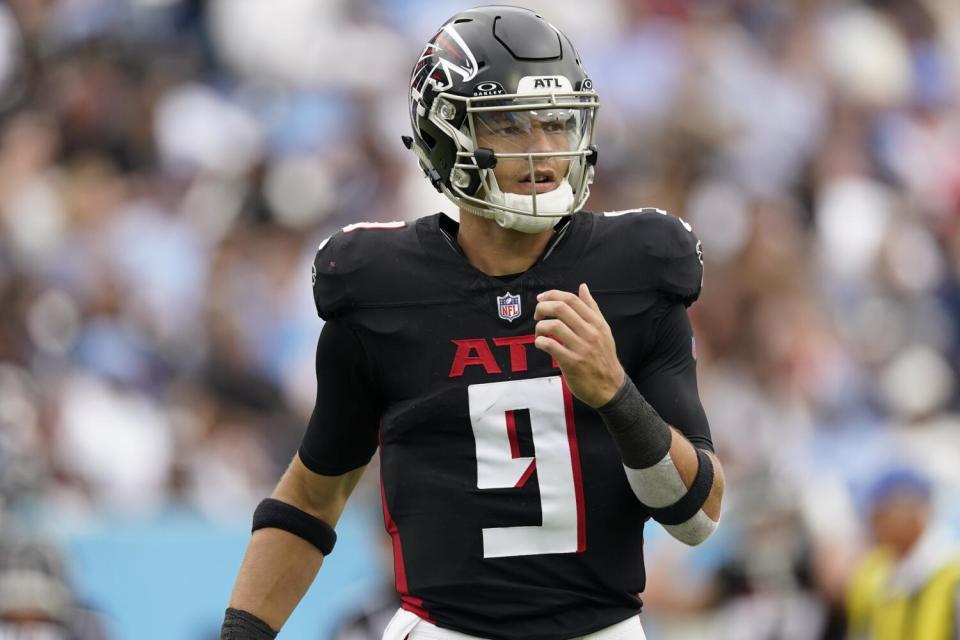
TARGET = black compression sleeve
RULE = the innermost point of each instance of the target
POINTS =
(668, 378)
(640, 434)
(342, 433)
(240, 625)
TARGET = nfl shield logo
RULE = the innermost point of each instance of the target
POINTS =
(508, 306)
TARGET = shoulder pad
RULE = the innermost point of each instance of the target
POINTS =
(348, 259)
(662, 250)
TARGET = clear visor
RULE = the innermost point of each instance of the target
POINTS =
(554, 129)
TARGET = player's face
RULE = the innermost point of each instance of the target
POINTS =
(557, 130)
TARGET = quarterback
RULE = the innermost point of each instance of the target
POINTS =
(527, 373)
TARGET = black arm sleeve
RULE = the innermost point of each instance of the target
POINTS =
(668, 377)
(342, 433)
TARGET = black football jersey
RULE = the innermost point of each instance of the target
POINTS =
(505, 496)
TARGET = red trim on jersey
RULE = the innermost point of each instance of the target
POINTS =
(515, 448)
(526, 474)
(575, 463)
(408, 602)
(512, 434)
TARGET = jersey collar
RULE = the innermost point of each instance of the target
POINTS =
(437, 235)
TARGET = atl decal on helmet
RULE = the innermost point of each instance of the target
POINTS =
(543, 84)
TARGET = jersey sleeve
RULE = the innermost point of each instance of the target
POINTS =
(342, 432)
(357, 267)
(668, 378)
(653, 251)
(677, 253)
(329, 281)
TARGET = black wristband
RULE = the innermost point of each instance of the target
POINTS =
(240, 625)
(276, 514)
(639, 432)
(692, 501)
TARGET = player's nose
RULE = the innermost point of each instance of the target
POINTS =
(538, 140)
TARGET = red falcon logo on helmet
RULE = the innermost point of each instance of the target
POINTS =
(445, 54)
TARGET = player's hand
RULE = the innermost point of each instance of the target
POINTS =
(572, 330)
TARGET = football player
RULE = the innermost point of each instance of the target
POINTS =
(527, 374)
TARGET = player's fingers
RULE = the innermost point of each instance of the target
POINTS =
(575, 303)
(584, 293)
(560, 331)
(554, 349)
(561, 310)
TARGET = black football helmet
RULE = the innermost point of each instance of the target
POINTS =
(501, 69)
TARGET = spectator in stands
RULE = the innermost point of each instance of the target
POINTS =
(908, 585)
(36, 600)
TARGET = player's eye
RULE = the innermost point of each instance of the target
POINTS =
(510, 130)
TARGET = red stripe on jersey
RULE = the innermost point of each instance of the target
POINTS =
(512, 434)
(415, 605)
(575, 463)
(515, 448)
(408, 602)
(526, 474)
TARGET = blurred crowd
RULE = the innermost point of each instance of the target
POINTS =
(168, 168)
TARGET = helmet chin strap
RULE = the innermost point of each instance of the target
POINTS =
(557, 201)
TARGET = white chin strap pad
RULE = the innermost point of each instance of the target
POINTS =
(551, 206)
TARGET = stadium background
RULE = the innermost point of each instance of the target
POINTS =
(168, 168)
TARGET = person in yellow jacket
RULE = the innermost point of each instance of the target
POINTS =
(907, 587)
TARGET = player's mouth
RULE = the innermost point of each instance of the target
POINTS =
(544, 180)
